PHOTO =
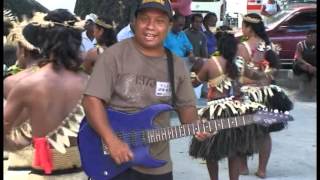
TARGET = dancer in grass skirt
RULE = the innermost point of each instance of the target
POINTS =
(221, 73)
(50, 97)
(258, 61)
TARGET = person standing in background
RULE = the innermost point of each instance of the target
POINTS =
(104, 33)
(197, 38)
(126, 32)
(268, 9)
(177, 40)
(183, 7)
(209, 23)
(88, 41)
(305, 66)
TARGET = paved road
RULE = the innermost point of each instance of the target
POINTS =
(293, 153)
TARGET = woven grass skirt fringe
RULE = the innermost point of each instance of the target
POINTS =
(69, 163)
(70, 176)
(273, 97)
(65, 166)
(20, 160)
(232, 142)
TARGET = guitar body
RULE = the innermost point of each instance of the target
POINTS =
(137, 130)
(100, 166)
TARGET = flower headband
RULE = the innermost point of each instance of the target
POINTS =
(16, 36)
(105, 25)
(7, 15)
(251, 20)
(38, 20)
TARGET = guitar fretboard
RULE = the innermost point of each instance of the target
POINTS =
(174, 132)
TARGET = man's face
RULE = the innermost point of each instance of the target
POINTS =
(212, 21)
(196, 24)
(312, 38)
(89, 27)
(151, 27)
(178, 24)
(245, 29)
(97, 31)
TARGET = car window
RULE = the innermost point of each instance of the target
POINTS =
(275, 18)
(302, 22)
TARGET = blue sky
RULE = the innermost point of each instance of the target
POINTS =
(55, 4)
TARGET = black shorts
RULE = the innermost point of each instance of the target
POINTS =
(131, 174)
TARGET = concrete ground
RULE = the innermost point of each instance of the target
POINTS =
(293, 154)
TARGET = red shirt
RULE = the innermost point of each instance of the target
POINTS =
(183, 7)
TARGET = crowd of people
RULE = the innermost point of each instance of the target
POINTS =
(59, 68)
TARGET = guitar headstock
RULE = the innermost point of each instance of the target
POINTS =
(267, 117)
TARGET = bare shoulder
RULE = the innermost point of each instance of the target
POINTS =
(243, 52)
(241, 47)
(8, 84)
(12, 80)
(22, 90)
(214, 63)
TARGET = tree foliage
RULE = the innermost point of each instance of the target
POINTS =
(120, 11)
(22, 8)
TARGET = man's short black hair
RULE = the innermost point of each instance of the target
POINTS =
(193, 17)
(175, 17)
(207, 16)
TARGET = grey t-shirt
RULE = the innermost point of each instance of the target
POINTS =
(199, 42)
(128, 81)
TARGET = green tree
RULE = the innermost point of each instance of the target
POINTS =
(22, 8)
(120, 11)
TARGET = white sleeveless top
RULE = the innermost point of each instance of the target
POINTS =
(271, 8)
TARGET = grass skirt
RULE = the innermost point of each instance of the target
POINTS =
(273, 97)
(68, 164)
(244, 140)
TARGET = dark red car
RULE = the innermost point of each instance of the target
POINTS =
(290, 26)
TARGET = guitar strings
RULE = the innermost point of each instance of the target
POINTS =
(143, 134)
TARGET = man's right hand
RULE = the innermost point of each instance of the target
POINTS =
(120, 151)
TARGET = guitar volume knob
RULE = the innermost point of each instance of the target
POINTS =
(105, 173)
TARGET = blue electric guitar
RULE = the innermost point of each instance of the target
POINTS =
(137, 130)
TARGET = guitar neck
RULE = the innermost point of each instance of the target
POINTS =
(175, 132)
